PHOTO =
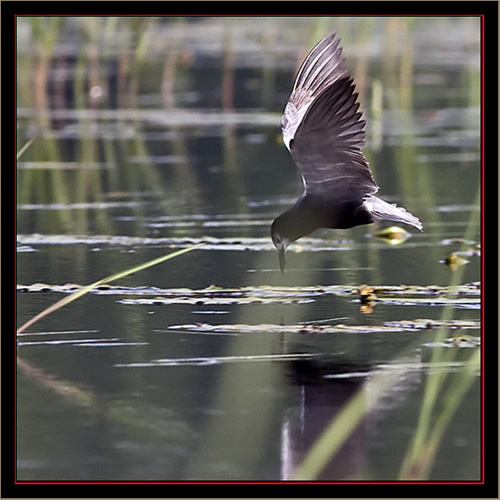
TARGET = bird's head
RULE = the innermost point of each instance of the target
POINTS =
(280, 242)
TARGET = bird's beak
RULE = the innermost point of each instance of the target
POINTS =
(282, 259)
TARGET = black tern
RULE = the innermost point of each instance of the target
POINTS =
(325, 134)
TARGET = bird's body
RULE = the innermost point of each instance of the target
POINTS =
(324, 132)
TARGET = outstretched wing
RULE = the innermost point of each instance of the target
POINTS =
(323, 128)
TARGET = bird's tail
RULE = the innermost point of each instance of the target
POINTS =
(380, 209)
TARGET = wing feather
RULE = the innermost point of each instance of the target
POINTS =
(323, 66)
(324, 129)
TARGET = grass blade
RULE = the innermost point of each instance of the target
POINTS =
(25, 147)
(114, 277)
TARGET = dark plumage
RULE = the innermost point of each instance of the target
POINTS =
(324, 131)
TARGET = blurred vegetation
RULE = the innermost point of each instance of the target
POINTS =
(82, 81)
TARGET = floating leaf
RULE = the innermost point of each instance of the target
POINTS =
(367, 297)
(462, 341)
(463, 296)
(217, 360)
(314, 329)
(454, 261)
(393, 235)
(367, 294)
(458, 303)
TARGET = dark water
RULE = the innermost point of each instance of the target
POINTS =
(151, 138)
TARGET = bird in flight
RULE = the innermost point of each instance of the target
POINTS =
(325, 134)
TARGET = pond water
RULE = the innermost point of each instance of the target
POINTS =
(154, 134)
